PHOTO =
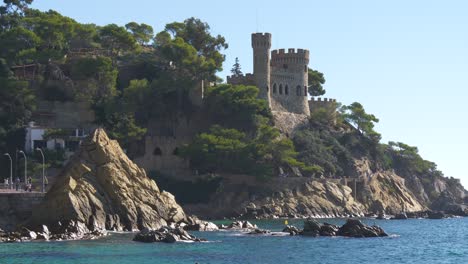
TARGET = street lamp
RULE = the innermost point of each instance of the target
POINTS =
(11, 169)
(43, 169)
(25, 167)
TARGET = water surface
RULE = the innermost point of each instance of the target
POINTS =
(410, 241)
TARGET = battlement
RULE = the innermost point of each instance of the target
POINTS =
(247, 79)
(261, 40)
(280, 56)
(325, 100)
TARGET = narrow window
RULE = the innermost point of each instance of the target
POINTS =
(274, 88)
(285, 66)
(305, 68)
(281, 89)
(305, 90)
(268, 89)
(298, 90)
(157, 151)
(176, 152)
(286, 90)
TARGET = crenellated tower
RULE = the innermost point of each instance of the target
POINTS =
(261, 44)
(289, 80)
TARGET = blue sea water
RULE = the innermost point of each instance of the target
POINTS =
(410, 241)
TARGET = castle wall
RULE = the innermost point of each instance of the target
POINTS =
(163, 141)
(329, 105)
(247, 79)
(289, 81)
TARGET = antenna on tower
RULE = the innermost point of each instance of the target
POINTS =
(256, 19)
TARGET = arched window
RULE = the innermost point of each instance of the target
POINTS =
(298, 90)
(281, 89)
(157, 151)
(274, 88)
(305, 68)
(268, 89)
(305, 90)
(286, 90)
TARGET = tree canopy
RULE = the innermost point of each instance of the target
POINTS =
(315, 82)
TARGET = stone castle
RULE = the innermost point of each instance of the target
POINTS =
(282, 77)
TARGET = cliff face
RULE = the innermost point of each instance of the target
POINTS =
(102, 188)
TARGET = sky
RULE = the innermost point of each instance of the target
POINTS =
(405, 61)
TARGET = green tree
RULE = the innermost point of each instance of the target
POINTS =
(235, 106)
(220, 149)
(142, 33)
(95, 78)
(116, 39)
(362, 121)
(236, 68)
(315, 82)
(205, 51)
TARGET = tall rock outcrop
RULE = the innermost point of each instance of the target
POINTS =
(103, 188)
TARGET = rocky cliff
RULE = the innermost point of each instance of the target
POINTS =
(102, 188)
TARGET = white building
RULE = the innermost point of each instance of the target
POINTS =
(35, 139)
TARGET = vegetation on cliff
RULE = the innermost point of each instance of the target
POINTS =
(131, 76)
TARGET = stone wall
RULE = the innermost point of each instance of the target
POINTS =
(163, 141)
(15, 208)
(329, 105)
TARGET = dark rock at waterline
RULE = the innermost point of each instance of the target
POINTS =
(66, 230)
(352, 228)
(166, 235)
(328, 230)
(240, 225)
(292, 230)
(313, 228)
(436, 215)
(355, 228)
(400, 216)
(259, 232)
(194, 224)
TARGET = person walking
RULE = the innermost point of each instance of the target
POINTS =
(29, 186)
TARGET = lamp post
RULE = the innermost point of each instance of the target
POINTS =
(43, 169)
(25, 167)
(11, 169)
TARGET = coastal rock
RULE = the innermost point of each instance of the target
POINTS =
(292, 230)
(165, 234)
(436, 215)
(400, 216)
(101, 188)
(241, 225)
(355, 228)
(194, 224)
(311, 227)
(259, 232)
(328, 230)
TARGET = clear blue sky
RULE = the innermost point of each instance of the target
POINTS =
(405, 61)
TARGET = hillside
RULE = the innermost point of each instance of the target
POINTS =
(221, 149)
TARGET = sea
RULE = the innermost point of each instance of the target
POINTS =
(409, 241)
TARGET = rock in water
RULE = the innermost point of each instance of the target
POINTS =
(355, 228)
(103, 188)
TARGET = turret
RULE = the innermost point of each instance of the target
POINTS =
(261, 44)
(289, 80)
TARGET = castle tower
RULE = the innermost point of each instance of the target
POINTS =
(261, 44)
(289, 80)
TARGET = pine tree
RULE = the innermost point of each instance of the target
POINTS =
(236, 68)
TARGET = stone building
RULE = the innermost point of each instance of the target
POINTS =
(282, 77)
